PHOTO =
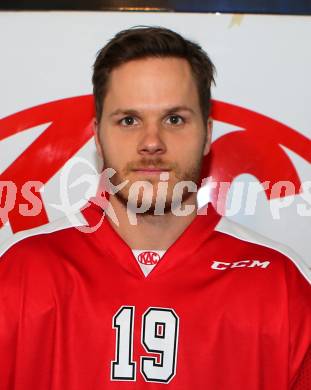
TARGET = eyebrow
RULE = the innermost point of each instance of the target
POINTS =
(170, 110)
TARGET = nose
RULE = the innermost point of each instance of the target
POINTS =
(151, 142)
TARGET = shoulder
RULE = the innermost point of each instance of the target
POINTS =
(279, 253)
(42, 234)
(35, 253)
(32, 271)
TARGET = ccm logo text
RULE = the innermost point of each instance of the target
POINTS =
(221, 265)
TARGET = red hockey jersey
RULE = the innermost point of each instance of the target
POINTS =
(217, 312)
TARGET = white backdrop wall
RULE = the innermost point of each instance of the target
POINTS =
(263, 91)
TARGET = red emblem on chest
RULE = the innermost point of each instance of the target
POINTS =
(148, 258)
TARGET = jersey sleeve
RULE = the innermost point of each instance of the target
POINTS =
(299, 312)
(10, 309)
(303, 380)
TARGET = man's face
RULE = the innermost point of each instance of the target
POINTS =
(152, 123)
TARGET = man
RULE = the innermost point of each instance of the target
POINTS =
(156, 296)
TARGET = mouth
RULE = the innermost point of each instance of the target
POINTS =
(150, 170)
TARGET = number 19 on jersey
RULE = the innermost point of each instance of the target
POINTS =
(159, 334)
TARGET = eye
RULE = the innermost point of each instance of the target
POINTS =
(128, 121)
(175, 120)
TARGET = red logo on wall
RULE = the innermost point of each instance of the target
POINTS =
(256, 148)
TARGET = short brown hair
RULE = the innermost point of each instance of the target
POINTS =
(145, 42)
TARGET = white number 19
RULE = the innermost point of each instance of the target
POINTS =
(159, 334)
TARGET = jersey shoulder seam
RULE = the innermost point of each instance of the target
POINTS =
(54, 226)
(233, 229)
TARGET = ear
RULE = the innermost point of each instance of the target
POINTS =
(96, 138)
(209, 131)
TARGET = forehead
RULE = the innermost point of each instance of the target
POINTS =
(152, 82)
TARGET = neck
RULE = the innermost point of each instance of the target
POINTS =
(151, 231)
